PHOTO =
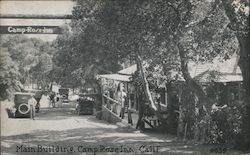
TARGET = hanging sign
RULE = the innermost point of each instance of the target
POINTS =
(30, 29)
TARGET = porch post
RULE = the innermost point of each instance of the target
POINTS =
(130, 121)
(122, 103)
(108, 102)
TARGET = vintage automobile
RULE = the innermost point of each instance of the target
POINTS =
(64, 92)
(22, 109)
(85, 104)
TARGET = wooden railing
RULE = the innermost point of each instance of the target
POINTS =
(109, 98)
(117, 108)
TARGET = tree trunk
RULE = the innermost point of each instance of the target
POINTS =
(145, 82)
(51, 86)
(140, 122)
(244, 66)
(244, 45)
(37, 83)
(180, 128)
(244, 62)
(203, 102)
(194, 85)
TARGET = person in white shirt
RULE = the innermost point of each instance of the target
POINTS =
(32, 104)
(121, 97)
(59, 100)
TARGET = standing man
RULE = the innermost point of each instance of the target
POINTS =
(52, 99)
(121, 97)
(59, 100)
(32, 103)
(38, 97)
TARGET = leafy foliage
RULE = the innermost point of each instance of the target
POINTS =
(167, 34)
(9, 77)
(23, 61)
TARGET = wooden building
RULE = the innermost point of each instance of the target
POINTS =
(118, 97)
(121, 99)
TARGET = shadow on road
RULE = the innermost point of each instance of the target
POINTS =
(62, 128)
(89, 137)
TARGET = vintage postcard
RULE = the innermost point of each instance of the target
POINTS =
(114, 77)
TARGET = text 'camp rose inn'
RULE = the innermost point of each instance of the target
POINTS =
(29, 29)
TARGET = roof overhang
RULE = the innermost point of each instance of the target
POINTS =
(117, 77)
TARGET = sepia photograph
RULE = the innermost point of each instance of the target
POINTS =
(124, 77)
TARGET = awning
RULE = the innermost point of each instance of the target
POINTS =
(129, 71)
(117, 77)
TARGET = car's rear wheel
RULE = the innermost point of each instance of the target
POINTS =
(23, 108)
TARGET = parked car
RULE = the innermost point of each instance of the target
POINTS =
(85, 105)
(88, 90)
(64, 92)
(21, 107)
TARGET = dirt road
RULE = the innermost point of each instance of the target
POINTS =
(60, 131)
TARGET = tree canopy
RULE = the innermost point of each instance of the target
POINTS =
(23, 61)
(167, 34)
